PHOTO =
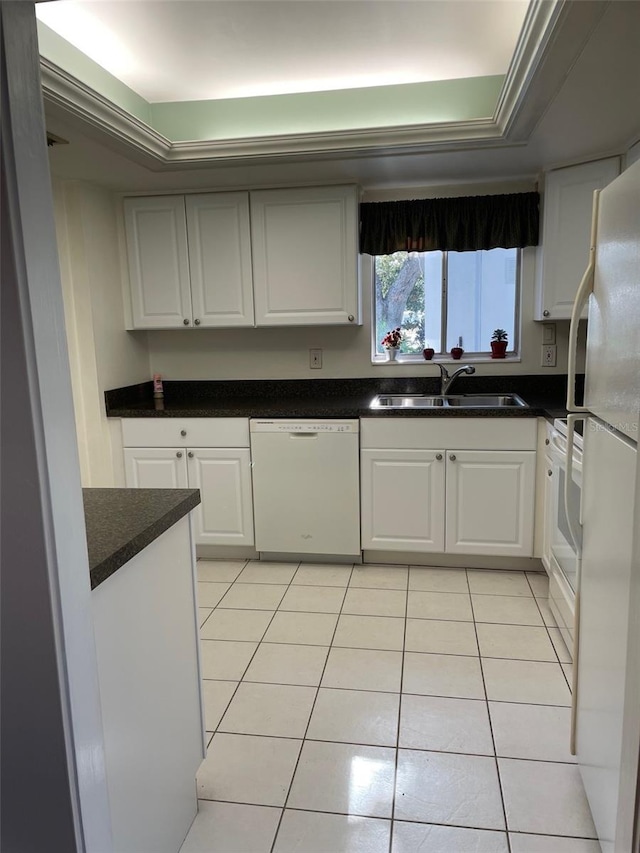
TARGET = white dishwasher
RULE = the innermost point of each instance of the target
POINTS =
(306, 486)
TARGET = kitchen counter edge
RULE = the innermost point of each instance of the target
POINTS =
(122, 522)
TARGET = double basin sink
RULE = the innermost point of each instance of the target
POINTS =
(457, 401)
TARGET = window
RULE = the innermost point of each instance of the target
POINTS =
(438, 298)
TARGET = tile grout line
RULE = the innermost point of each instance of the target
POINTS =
(398, 728)
(564, 674)
(239, 682)
(493, 740)
(304, 737)
(388, 820)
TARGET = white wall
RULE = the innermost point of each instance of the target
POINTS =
(284, 353)
(102, 354)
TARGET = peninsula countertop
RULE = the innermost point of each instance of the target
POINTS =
(121, 522)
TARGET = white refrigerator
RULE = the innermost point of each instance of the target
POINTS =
(606, 718)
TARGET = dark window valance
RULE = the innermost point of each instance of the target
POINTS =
(461, 224)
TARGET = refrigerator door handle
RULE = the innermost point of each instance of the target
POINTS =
(571, 421)
(584, 290)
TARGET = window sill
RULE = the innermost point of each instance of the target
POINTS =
(471, 358)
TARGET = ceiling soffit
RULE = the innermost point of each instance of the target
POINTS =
(553, 35)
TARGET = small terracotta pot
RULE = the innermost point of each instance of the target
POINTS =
(499, 348)
(456, 353)
(428, 353)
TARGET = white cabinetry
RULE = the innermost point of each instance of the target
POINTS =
(189, 261)
(221, 471)
(158, 262)
(190, 258)
(305, 256)
(437, 485)
(490, 502)
(146, 642)
(402, 500)
(568, 201)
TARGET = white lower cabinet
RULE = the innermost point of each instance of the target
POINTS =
(490, 502)
(155, 468)
(221, 473)
(472, 500)
(402, 500)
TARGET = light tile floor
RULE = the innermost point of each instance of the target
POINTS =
(384, 709)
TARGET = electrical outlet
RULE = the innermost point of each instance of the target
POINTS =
(549, 355)
(548, 333)
(315, 358)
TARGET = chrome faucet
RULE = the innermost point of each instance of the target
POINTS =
(447, 381)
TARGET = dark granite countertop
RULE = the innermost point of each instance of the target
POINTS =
(121, 522)
(331, 398)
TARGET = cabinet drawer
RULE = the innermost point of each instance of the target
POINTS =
(460, 433)
(185, 432)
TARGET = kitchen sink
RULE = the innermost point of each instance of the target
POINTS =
(456, 401)
(485, 401)
(418, 401)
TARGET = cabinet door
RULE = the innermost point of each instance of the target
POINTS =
(155, 468)
(158, 263)
(568, 202)
(403, 500)
(225, 514)
(305, 256)
(490, 502)
(549, 487)
(220, 259)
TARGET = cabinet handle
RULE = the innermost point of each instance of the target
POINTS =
(185, 321)
(197, 322)
(351, 318)
(453, 457)
(549, 473)
(183, 432)
(546, 441)
(179, 454)
(190, 454)
(546, 313)
(439, 457)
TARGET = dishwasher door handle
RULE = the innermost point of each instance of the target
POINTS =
(303, 435)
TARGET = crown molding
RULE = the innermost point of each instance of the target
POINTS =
(150, 148)
(81, 101)
(553, 35)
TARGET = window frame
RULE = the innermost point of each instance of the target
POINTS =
(445, 356)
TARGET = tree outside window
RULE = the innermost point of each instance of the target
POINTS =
(438, 297)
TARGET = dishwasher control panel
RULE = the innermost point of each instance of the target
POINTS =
(304, 426)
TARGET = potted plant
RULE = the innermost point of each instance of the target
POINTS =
(391, 342)
(499, 343)
(456, 352)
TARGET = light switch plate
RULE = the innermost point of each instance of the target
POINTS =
(548, 333)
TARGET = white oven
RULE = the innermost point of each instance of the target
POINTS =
(564, 530)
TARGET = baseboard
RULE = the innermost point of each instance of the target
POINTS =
(311, 558)
(226, 552)
(454, 561)
(393, 558)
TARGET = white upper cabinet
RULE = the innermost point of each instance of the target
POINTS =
(305, 256)
(220, 259)
(189, 261)
(158, 262)
(568, 200)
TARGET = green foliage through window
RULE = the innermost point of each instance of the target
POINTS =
(438, 297)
